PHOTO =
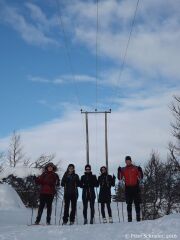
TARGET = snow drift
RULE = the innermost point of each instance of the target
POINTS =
(9, 198)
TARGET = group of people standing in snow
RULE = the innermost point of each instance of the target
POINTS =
(129, 177)
(88, 183)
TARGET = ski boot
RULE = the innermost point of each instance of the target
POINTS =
(110, 220)
(104, 220)
(36, 222)
(138, 218)
(48, 221)
(71, 223)
(64, 223)
(91, 221)
(129, 218)
(85, 221)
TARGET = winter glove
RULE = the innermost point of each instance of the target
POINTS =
(34, 177)
(141, 183)
(58, 188)
(121, 184)
(113, 180)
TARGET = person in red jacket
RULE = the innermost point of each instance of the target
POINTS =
(48, 182)
(131, 175)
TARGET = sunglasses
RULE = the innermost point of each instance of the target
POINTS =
(88, 169)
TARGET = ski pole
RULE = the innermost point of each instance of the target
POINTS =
(118, 210)
(32, 208)
(122, 193)
(142, 209)
(55, 212)
(98, 205)
(31, 214)
(117, 203)
(122, 211)
(76, 215)
(60, 215)
(33, 203)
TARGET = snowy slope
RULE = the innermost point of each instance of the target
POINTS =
(12, 209)
(9, 198)
(14, 220)
(168, 226)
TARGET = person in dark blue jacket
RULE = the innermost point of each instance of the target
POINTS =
(70, 182)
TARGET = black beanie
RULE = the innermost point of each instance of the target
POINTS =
(71, 165)
(87, 166)
(127, 158)
(102, 168)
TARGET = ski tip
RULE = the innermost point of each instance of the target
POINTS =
(41, 224)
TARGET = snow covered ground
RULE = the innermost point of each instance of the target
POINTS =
(14, 220)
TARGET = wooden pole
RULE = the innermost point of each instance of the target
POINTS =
(106, 142)
(87, 139)
(87, 133)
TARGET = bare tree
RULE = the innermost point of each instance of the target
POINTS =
(175, 148)
(15, 152)
(1, 161)
(171, 187)
(42, 161)
(26, 162)
(175, 109)
(161, 193)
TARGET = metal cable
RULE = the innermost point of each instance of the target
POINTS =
(129, 38)
(68, 53)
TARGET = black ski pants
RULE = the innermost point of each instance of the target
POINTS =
(45, 199)
(133, 194)
(108, 208)
(85, 207)
(67, 201)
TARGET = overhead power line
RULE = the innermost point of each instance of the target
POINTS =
(128, 42)
(68, 53)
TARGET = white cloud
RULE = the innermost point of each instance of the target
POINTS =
(111, 77)
(154, 47)
(142, 124)
(40, 17)
(31, 32)
(108, 78)
(38, 79)
(64, 79)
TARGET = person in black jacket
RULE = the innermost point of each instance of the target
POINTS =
(88, 183)
(105, 182)
(70, 182)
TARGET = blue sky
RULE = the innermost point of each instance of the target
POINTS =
(28, 68)
(42, 88)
